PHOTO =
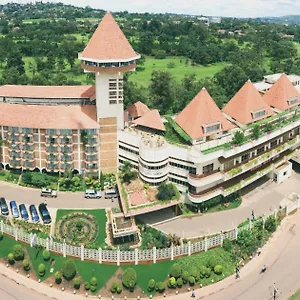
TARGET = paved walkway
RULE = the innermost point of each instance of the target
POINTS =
(261, 201)
(64, 199)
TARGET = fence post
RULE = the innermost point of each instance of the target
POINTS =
(82, 253)
(31, 237)
(221, 238)
(154, 255)
(47, 243)
(263, 221)
(1, 226)
(64, 250)
(172, 252)
(100, 255)
(275, 213)
(118, 256)
(250, 224)
(16, 233)
(236, 233)
(205, 244)
(136, 256)
(189, 248)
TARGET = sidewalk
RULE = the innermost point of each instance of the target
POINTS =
(270, 253)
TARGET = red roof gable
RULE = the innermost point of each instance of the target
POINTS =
(137, 109)
(108, 43)
(245, 103)
(201, 112)
(281, 93)
(152, 120)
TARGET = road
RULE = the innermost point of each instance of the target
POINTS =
(262, 200)
(64, 199)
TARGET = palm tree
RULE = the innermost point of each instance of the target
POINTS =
(126, 171)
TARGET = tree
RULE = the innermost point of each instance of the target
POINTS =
(128, 174)
(14, 60)
(18, 252)
(68, 269)
(167, 191)
(255, 132)
(175, 270)
(238, 138)
(129, 279)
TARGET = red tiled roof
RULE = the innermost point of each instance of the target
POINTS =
(246, 102)
(48, 117)
(137, 109)
(279, 95)
(152, 120)
(199, 113)
(48, 92)
(108, 42)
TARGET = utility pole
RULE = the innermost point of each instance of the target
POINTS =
(274, 292)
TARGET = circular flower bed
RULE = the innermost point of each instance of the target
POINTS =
(77, 228)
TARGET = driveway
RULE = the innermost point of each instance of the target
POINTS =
(262, 200)
(64, 199)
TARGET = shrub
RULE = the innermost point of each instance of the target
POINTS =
(18, 252)
(172, 282)
(68, 269)
(151, 285)
(1, 236)
(119, 289)
(208, 272)
(57, 276)
(114, 287)
(179, 282)
(192, 280)
(270, 224)
(10, 258)
(212, 263)
(46, 255)
(202, 272)
(175, 271)
(218, 269)
(93, 281)
(160, 286)
(195, 273)
(87, 285)
(129, 279)
(93, 288)
(26, 265)
(76, 283)
(41, 269)
(227, 245)
(167, 191)
(185, 276)
(238, 138)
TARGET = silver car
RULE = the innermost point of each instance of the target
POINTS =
(92, 194)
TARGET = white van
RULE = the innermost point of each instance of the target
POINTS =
(110, 194)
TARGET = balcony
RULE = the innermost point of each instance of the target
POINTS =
(91, 159)
(203, 180)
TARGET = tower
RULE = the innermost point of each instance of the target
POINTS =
(108, 54)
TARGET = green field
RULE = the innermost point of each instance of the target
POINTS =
(298, 48)
(296, 296)
(178, 71)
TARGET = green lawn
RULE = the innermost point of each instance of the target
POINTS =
(6, 246)
(99, 214)
(295, 296)
(178, 72)
(221, 206)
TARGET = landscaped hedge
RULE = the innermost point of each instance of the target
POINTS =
(129, 279)
(69, 269)
(18, 252)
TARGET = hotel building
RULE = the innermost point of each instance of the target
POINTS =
(84, 129)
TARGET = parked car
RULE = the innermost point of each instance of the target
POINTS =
(48, 193)
(92, 194)
(34, 214)
(14, 209)
(110, 194)
(23, 212)
(4, 207)
(44, 213)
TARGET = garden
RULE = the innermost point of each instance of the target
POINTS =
(168, 277)
(81, 227)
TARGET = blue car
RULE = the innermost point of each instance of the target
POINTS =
(23, 212)
(14, 209)
(34, 214)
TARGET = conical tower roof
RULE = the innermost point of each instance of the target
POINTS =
(247, 105)
(151, 119)
(108, 43)
(202, 112)
(282, 95)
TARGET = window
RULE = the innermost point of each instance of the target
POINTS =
(274, 143)
(112, 101)
(207, 169)
(258, 114)
(27, 139)
(52, 140)
(211, 128)
(260, 150)
(293, 101)
(245, 157)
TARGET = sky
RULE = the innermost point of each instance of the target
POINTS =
(230, 8)
(226, 8)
